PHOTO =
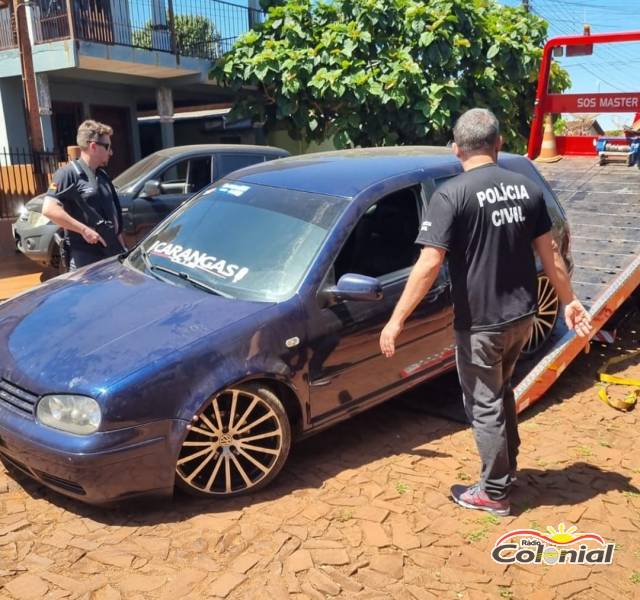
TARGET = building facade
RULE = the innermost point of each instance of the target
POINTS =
(113, 59)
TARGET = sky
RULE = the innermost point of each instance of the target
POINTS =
(611, 67)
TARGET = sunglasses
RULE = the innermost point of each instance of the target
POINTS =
(106, 146)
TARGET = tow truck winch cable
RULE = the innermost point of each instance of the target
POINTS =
(629, 401)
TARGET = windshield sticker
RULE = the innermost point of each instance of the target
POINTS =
(196, 259)
(234, 189)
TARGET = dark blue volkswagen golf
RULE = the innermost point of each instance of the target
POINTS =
(248, 319)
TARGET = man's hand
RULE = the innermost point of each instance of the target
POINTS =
(577, 318)
(92, 237)
(388, 338)
(420, 280)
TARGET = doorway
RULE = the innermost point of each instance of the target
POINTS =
(119, 118)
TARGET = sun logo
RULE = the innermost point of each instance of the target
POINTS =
(562, 535)
(557, 545)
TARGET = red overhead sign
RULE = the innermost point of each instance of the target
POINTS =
(592, 103)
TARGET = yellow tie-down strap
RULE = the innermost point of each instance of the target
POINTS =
(629, 401)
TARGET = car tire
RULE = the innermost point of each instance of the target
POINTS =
(545, 319)
(236, 444)
(54, 262)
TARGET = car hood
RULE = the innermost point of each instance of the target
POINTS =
(84, 331)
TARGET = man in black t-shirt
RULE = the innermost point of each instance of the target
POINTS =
(82, 199)
(489, 221)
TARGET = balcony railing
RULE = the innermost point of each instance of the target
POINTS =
(196, 28)
(8, 37)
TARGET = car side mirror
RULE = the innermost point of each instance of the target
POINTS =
(151, 188)
(352, 286)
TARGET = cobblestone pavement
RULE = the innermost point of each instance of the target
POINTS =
(360, 512)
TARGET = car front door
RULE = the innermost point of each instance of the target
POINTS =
(346, 368)
(178, 181)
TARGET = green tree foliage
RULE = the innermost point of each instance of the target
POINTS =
(559, 126)
(385, 72)
(195, 36)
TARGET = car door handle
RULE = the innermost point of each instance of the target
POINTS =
(320, 382)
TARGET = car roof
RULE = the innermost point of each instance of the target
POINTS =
(346, 173)
(226, 148)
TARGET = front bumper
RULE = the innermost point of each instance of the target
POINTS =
(35, 243)
(100, 468)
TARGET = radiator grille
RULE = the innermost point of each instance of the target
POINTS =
(16, 398)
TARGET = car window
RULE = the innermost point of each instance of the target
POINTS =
(247, 241)
(383, 241)
(138, 170)
(431, 185)
(173, 180)
(199, 173)
(233, 162)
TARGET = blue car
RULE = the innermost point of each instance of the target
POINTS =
(246, 320)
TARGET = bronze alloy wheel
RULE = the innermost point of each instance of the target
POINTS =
(545, 318)
(236, 444)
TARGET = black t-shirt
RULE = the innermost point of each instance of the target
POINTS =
(97, 192)
(486, 219)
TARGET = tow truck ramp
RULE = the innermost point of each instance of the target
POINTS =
(603, 209)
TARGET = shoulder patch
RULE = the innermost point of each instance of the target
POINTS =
(53, 187)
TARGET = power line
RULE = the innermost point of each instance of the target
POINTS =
(621, 55)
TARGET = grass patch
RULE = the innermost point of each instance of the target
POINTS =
(477, 534)
(505, 592)
(488, 520)
(630, 494)
(462, 476)
(402, 488)
(345, 515)
(535, 525)
(635, 577)
(605, 444)
(584, 450)
(485, 522)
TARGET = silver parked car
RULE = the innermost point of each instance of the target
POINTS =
(148, 191)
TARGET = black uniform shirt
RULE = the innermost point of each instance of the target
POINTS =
(486, 219)
(97, 192)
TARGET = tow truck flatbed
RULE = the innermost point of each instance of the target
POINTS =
(603, 209)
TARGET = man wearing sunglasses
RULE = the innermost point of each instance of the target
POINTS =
(82, 200)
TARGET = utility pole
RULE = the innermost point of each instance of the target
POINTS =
(525, 4)
(34, 130)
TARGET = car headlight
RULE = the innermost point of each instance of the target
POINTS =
(37, 219)
(75, 414)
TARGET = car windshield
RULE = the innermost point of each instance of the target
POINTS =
(241, 240)
(137, 170)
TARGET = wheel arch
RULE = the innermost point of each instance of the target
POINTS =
(280, 385)
(285, 392)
